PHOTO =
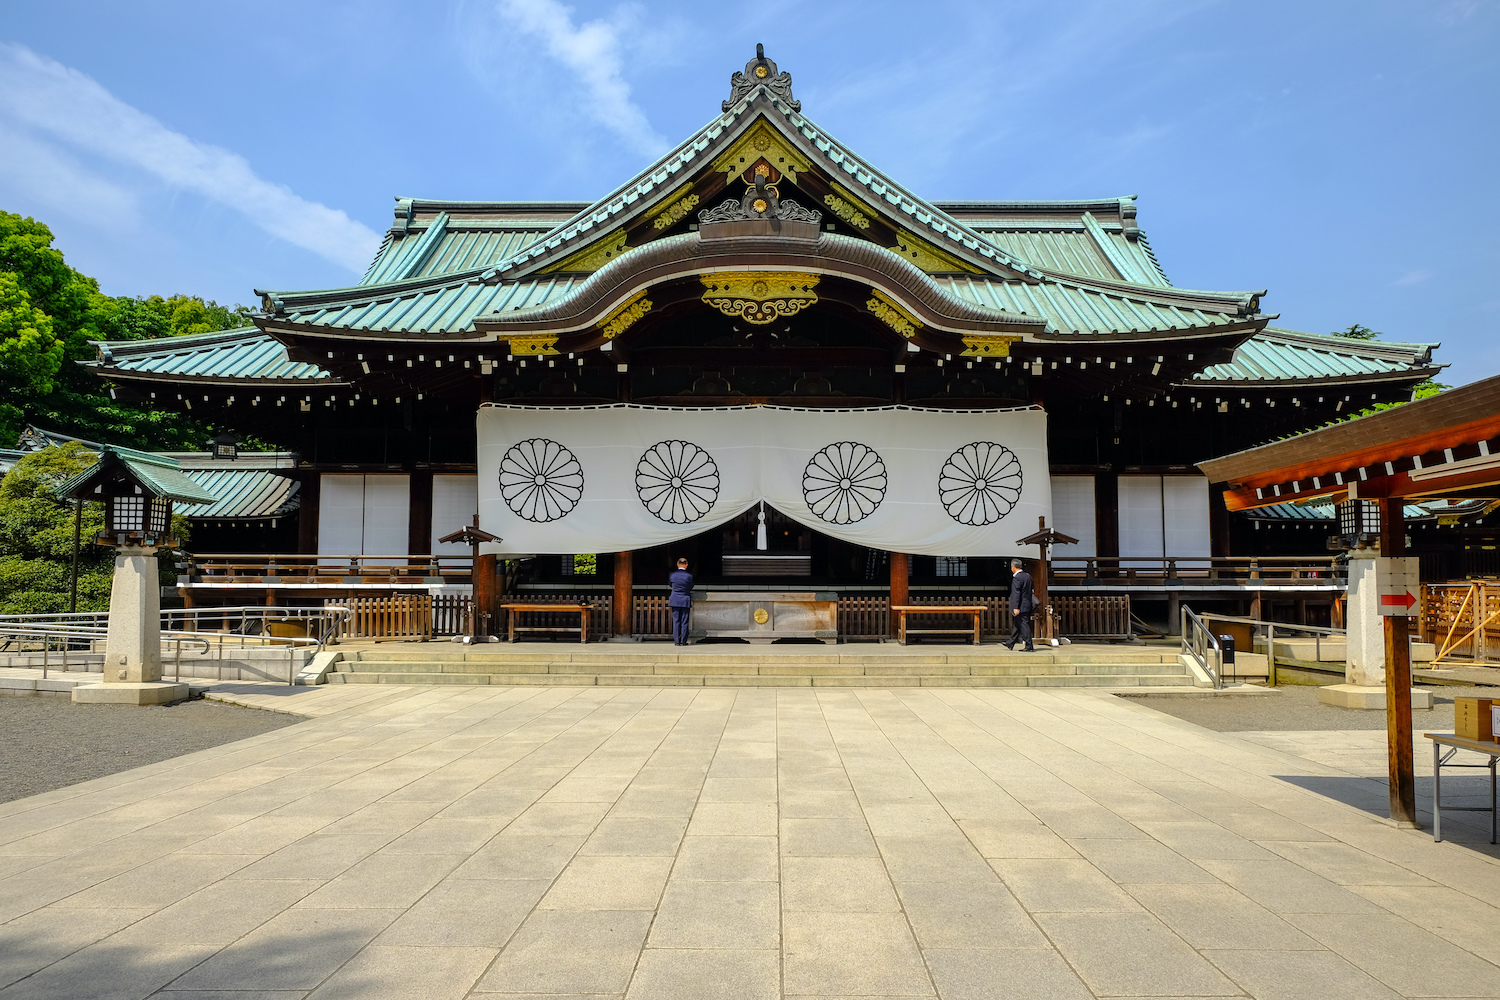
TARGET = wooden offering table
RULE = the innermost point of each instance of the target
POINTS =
(765, 615)
(974, 611)
(514, 611)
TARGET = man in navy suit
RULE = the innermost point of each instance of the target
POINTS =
(681, 602)
(1022, 604)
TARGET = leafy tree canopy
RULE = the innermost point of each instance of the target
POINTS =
(1359, 332)
(49, 313)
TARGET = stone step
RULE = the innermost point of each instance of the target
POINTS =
(1014, 668)
(751, 680)
(612, 658)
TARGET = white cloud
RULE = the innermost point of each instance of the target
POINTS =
(50, 98)
(594, 54)
(39, 172)
(1415, 277)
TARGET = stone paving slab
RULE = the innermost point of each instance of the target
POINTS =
(646, 842)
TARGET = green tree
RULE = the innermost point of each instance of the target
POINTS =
(30, 353)
(36, 537)
(1358, 332)
(71, 398)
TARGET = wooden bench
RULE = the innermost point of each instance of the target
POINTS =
(514, 611)
(974, 611)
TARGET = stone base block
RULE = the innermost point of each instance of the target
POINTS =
(139, 693)
(1357, 696)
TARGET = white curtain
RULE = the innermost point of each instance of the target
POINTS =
(364, 514)
(1164, 516)
(1073, 506)
(454, 499)
(619, 477)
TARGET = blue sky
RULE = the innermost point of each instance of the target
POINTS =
(1339, 154)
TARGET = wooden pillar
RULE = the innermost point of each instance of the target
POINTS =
(486, 593)
(307, 513)
(624, 609)
(1107, 521)
(419, 515)
(900, 578)
(1041, 620)
(1398, 677)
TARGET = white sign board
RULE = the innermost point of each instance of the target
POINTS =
(1400, 585)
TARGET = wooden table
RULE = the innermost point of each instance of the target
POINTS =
(1439, 759)
(975, 611)
(581, 610)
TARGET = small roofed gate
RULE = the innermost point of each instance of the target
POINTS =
(405, 617)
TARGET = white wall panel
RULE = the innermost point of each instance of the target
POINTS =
(1140, 516)
(1073, 514)
(341, 514)
(1185, 515)
(455, 498)
(387, 514)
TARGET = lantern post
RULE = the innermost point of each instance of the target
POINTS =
(137, 490)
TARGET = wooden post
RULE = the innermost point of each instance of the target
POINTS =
(1041, 618)
(900, 578)
(485, 594)
(624, 609)
(1398, 677)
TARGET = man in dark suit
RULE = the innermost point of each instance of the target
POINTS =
(681, 602)
(1022, 604)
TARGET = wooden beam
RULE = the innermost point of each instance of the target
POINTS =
(1398, 679)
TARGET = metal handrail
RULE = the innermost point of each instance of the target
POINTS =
(1318, 632)
(1199, 642)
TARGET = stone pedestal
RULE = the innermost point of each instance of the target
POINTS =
(1365, 644)
(132, 651)
(1364, 696)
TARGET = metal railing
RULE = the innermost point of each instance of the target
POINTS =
(81, 636)
(1199, 642)
(1318, 633)
(1184, 571)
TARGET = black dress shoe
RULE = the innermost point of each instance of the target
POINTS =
(1008, 646)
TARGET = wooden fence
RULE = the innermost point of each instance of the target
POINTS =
(651, 618)
(1463, 619)
(1092, 617)
(450, 614)
(405, 617)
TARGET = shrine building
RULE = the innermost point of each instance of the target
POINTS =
(764, 354)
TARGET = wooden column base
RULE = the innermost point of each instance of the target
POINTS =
(900, 579)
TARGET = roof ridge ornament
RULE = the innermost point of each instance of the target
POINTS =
(760, 201)
(761, 72)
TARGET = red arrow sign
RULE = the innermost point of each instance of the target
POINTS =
(1405, 600)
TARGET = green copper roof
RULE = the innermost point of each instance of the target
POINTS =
(1075, 307)
(1290, 357)
(444, 247)
(162, 476)
(242, 354)
(242, 494)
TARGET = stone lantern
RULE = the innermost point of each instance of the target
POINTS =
(137, 490)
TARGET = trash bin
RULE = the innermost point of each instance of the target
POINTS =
(1226, 643)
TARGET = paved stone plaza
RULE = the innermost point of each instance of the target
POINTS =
(697, 843)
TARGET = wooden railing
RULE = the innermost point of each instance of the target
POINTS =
(1172, 571)
(1463, 619)
(1089, 617)
(328, 570)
